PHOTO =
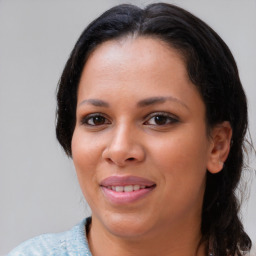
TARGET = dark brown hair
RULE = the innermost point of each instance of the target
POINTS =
(211, 67)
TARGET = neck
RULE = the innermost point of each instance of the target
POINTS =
(178, 240)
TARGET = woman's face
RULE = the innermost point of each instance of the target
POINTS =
(140, 146)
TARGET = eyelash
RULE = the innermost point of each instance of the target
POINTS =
(86, 119)
(170, 119)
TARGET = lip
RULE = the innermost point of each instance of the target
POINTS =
(119, 198)
(125, 181)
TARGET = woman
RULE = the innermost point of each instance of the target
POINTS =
(153, 113)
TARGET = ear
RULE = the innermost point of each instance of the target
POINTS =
(221, 135)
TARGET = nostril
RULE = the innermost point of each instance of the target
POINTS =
(131, 159)
(109, 160)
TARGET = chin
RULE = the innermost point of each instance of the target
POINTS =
(126, 225)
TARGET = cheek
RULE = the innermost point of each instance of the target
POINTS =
(182, 157)
(181, 165)
(183, 148)
(85, 156)
(84, 150)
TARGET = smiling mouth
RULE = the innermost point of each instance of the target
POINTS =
(128, 188)
(120, 190)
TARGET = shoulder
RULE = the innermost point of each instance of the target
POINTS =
(72, 242)
(41, 245)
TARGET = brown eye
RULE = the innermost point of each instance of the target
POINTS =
(160, 119)
(95, 120)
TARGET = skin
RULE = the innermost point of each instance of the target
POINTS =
(128, 140)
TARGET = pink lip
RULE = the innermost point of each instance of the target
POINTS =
(126, 197)
(126, 180)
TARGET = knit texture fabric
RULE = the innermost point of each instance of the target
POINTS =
(69, 243)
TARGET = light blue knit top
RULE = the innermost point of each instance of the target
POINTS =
(69, 243)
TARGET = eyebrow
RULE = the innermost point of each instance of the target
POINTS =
(157, 100)
(142, 103)
(95, 102)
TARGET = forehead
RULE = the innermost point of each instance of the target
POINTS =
(134, 58)
(145, 45)
(138, 49)
(127, 71)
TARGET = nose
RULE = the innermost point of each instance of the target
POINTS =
(124, 147)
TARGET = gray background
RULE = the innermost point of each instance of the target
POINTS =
(38, 188)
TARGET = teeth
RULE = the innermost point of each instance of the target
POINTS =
(136, 187)
(119, 188)
(128, 188)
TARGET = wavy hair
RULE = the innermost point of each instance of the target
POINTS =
(211, 68)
